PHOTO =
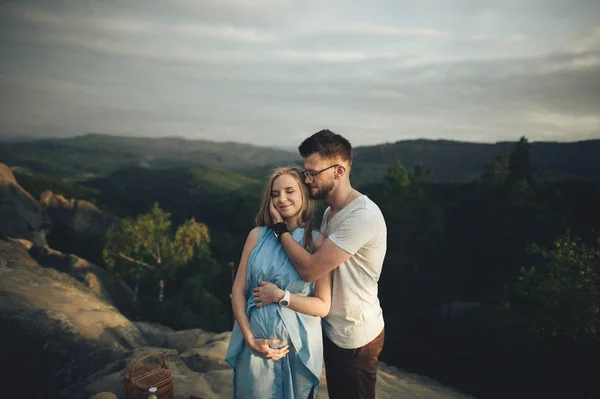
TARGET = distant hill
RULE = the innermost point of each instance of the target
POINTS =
(452, 161)
(96, 155)
(183, 190)
(17, 138)
(100, 155)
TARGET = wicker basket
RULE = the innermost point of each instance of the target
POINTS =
(144, 376)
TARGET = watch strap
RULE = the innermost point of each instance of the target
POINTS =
(285, 301)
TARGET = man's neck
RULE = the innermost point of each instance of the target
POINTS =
(339, 198)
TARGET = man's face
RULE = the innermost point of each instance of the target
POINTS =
(322, 183)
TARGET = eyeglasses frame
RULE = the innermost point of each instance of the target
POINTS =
(310, 175)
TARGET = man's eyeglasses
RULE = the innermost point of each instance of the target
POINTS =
(311, 174)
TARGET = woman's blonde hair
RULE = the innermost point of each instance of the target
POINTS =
(306, 217)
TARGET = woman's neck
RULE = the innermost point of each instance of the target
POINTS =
(291, 224)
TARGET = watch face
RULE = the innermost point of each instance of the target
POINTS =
(284, 303)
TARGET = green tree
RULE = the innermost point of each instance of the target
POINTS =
(415, 233)
(146, 244)
(497, 172)
(519, 164)
(559, 297)
(397, 177)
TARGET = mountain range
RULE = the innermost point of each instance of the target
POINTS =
(99, 155)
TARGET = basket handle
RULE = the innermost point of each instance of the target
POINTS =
(164, 359)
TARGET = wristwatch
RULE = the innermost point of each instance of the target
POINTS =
(285, 301)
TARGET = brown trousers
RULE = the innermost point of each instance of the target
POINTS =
(352, 373)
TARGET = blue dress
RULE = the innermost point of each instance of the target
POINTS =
(297, 374)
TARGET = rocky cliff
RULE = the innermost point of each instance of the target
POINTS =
(21, 216)
(78, 226)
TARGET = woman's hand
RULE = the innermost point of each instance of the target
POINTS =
(266, 294)
(275, 215)
(261, 346)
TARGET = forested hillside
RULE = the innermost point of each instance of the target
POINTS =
(96, 155)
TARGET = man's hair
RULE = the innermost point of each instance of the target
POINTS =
(328, 145)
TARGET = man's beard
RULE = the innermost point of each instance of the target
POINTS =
(322, 192)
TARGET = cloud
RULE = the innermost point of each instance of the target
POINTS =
(264, 13)
(383, 31)
(577, 62)
(226, 32)
(587, 41)
(65, 20)
(230, 67)
(497, 40)
(555, 122)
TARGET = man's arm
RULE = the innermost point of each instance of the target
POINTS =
(354, 231)
(313, 267)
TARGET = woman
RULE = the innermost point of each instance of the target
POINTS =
(276, 350)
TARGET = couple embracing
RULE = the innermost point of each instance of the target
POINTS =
(300, 295)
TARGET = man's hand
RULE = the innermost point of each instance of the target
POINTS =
(275, 215)
(261, 346)
(266, 294)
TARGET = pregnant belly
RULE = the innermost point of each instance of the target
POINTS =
(267, 324)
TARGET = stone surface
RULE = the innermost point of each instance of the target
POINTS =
(99, 280)
(78, 226)
(83, 218)
(21, 216)
(54, 330)
(105, 395)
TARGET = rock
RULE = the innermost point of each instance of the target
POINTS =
(105, 395)
(155, 334)
(78, 225)
(99, 280)
(14, 252)
(54, 330)
(209, 357)
(111, 379)
(80, 216)
(187, 339)
(394, 383)
(21, 216)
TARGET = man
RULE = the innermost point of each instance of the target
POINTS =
(353, 250)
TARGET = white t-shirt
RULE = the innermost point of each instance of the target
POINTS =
(356, 318)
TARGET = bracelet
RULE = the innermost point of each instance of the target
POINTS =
(278, 229)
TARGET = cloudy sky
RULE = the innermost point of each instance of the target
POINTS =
(271, 72)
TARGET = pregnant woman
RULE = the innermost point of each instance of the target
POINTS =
(276, 350)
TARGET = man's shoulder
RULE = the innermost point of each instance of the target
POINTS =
(369, 214)
(367, 206)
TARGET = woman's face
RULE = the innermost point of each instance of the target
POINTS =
(287, 196)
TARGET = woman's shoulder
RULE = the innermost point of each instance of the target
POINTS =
(259, 232)
(256, 233)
